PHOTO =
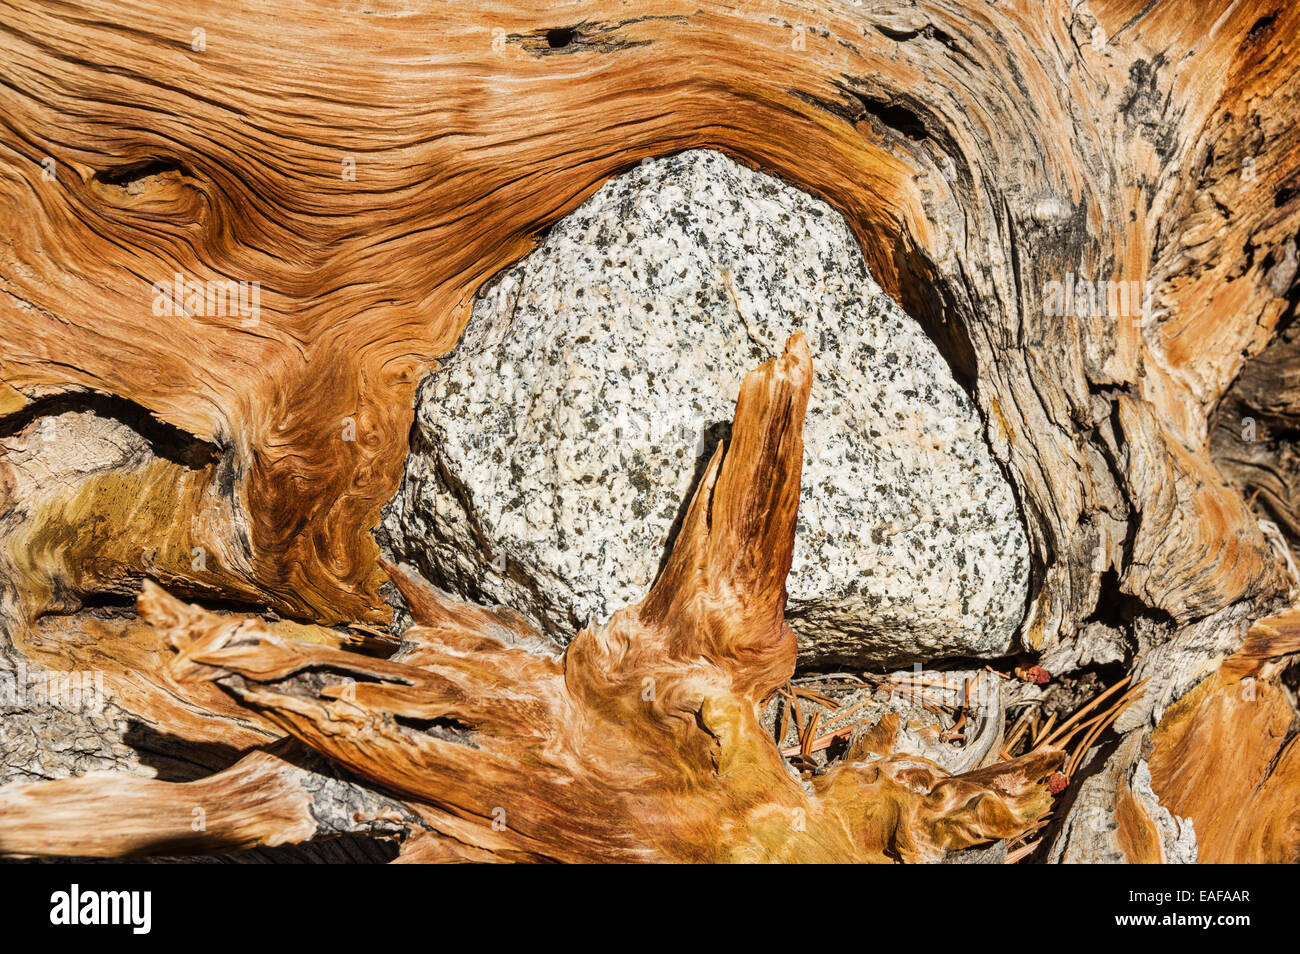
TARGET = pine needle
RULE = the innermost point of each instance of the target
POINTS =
(1099, 725)
(1038, 735)
(806, 739)
(844, 714)
(817, 697)
(1062, 735)
(1015, 855)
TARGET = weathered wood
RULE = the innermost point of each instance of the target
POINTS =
(643, 743)
(985, 156)
(1227, 756)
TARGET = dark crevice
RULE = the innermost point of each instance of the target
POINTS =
(104, 605)
(713, 435)
(1289, 680)
(928, 32)
(133, 177)
(1255, 428)
(586, 36)
(558, 39)
(895, 115)
(165, 440)
(316, 679)
(1286, 193)
(1261, 27)
(446, 730)
(1119, 610)
(1069, 692)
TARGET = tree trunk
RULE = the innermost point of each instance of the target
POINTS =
(187, 500)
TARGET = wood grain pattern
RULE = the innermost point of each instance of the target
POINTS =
(371, 165)
(643, 742)
(1226, 755)
(979, 152)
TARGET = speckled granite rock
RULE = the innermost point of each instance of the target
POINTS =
(556, 446)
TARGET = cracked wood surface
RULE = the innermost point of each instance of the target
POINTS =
(642, 744)
(978, 151)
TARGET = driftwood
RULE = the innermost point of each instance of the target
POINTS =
(370, 171)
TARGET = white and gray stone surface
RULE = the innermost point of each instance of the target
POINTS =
(556, 446)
